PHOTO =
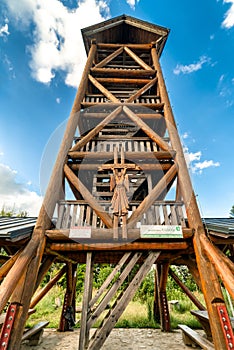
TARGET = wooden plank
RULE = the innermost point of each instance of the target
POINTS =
(192, 338)
(37, 331)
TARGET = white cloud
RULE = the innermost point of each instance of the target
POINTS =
(132, 3)
(194, 162)
(193, 67)
(57, 41)
(4, 30)
(14, 194)
(58, 100)
(229, 15)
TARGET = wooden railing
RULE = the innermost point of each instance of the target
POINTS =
(78, 213)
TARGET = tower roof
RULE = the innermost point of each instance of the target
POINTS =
(125, 30)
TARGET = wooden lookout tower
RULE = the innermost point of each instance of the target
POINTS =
(120, 193)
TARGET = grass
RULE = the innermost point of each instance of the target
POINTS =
(136, 315)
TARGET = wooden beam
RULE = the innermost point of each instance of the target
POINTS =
(99, 235)
(87, 295)
(109, 58)
(136, 58)
(8, 285)
(109, 279)
(105, 92)
(123, 72)
(132, 46)
(209, 279)
(92, 133)
(47, 287)
(127, 81)
(186, 290)
(121, 303)
(145, 167)
(152, 196)
(105, 217)
(71, 247)
(152, 134)
(156, 155)
(142, 90)
(223, 265)
(5, 268)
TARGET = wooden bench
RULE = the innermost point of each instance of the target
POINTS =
(194, 339)
(203, 317)
(34, 334)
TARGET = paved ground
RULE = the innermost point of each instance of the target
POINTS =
(119, 339)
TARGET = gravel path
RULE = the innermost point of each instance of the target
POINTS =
(119, 339)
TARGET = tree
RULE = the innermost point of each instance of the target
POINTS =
(12, 212)
(232, 212)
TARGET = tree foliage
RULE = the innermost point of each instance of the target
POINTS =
(232, 212)
(13, 212)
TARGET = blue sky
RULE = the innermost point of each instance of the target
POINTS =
(41, 60)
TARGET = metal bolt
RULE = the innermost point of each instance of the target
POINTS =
(226, 328)
(224, 319)
(228, 336)
(4, 344)
(221, 310)
(5, 335)
(12, 310)
(10, 318)
(230, 345)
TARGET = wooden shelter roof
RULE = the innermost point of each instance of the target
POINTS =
(125, 29)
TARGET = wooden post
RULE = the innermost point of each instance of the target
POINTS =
(211, 291)
(161, 275)
(87, 295)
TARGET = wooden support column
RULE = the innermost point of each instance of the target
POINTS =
(209, 279)
(67, 320)
(22, 296)
(162, 274)
(88, 287)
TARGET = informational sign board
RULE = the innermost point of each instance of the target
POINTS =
(77, 232)
(161, 231)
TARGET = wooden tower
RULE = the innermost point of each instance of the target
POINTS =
(120, 193)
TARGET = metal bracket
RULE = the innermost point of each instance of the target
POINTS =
(226, 326)
(7, 327)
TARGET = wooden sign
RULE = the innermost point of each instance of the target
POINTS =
(161, 231)
(80, 232)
